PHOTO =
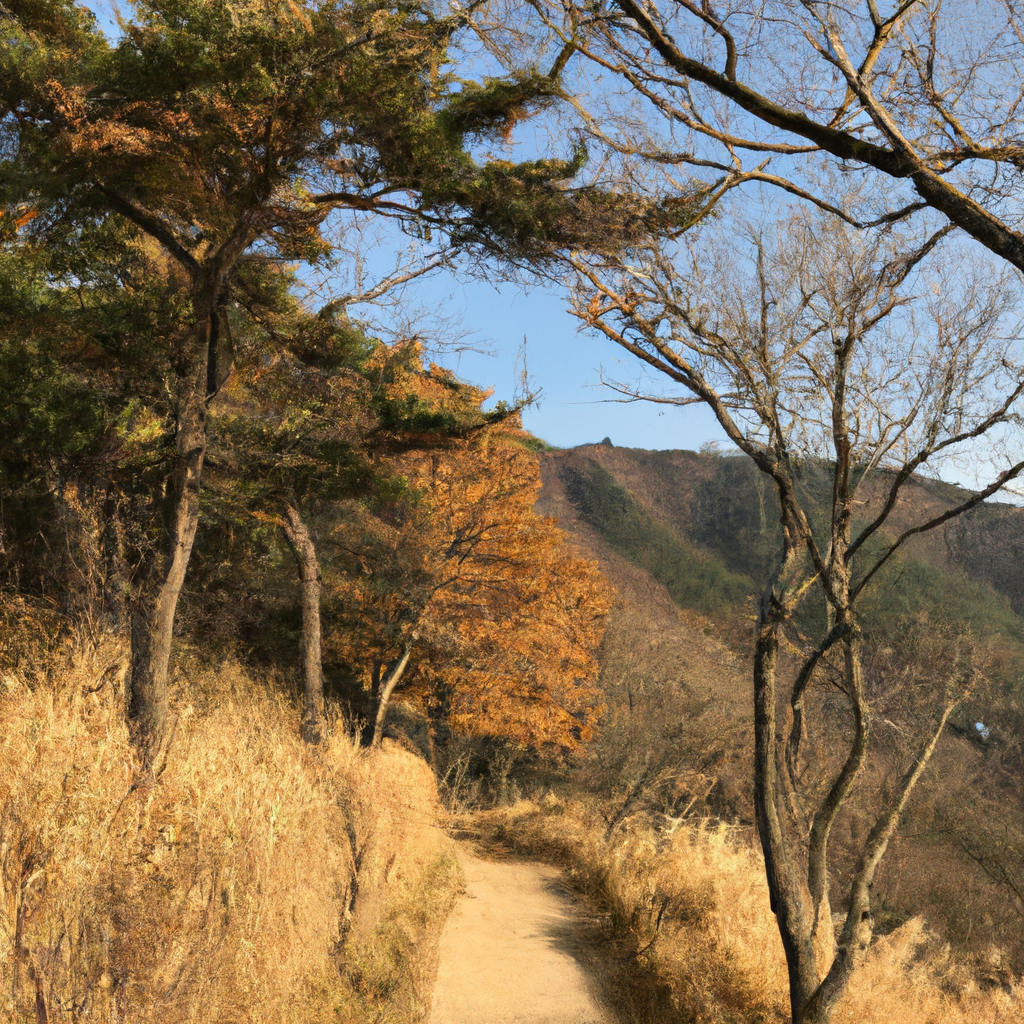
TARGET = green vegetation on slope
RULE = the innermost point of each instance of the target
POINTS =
(725, 544)
(735, 513)
(694, 578)
(912, 586)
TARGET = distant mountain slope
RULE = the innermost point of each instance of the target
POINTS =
(687, 539)
(660, 661)
(706, 526)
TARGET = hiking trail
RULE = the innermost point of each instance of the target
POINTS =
(512, 950)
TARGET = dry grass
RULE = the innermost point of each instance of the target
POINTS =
(255, 881)
(689, 913)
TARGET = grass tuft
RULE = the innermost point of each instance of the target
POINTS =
(691, 936)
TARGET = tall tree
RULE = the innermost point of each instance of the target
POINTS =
(901, 94)
(463, 596)
(864, 356)
(226, 135)
(290, 440)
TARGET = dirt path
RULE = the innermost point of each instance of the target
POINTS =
(506, 951)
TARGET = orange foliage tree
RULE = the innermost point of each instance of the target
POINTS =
(460, 596)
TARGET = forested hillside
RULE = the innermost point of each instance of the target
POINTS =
(685, 537)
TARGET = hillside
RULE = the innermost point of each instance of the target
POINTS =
(252, 879)
(685, 538)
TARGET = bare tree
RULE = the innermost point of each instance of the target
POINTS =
(867, 358)
(921, 98)
(665, 739)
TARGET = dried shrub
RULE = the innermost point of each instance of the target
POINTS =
(689, 904)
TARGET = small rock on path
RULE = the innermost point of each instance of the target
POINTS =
(503, 956)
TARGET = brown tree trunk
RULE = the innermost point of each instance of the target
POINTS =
(312, 662)
(790, 899)
(153, 613)
(857, 932)
(202, 364)
(385, 694)
(801, 901)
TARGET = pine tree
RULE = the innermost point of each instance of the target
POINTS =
(219, 138)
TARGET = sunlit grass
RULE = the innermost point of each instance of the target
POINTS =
(256, 880)
(691, 904)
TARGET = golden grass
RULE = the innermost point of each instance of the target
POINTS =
(255, 881)
(691, 909)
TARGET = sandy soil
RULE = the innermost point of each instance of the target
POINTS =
(507, 951)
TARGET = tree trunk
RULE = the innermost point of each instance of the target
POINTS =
(312, 662)
(152, 614)
(385, 695)
(438, 729)
(857, 930)
(790, 899)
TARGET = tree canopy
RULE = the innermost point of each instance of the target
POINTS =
(172, 174)
(916, 101)
(464, 596)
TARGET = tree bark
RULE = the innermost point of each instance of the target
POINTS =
(790, 899)
(152, 614)
(385, 694)
(312, 662)
(857, 930)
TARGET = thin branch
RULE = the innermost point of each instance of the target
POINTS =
(976, 499)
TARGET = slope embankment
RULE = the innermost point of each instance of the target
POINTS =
(255, 881)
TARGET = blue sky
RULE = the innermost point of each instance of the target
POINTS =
(498, 323)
